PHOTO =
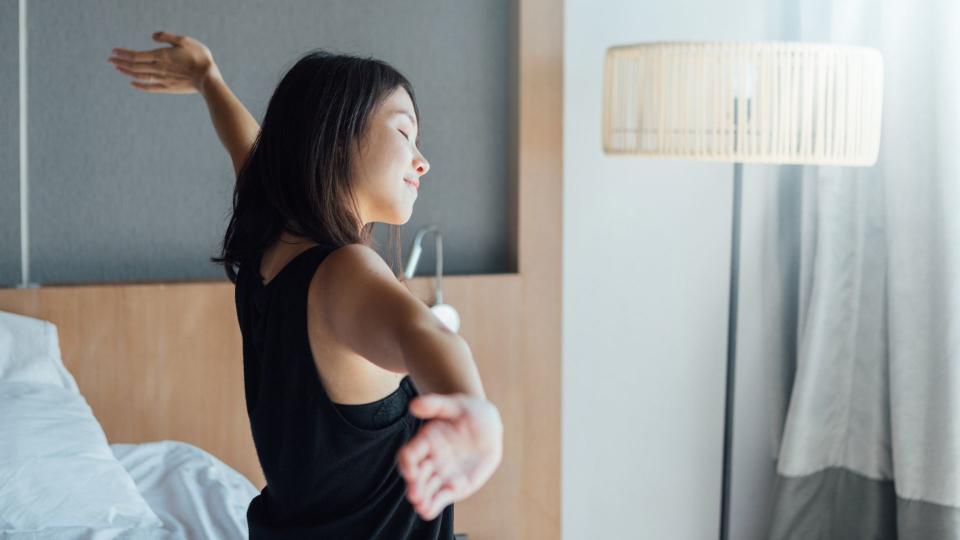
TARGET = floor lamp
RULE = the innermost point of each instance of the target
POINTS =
(774, 102)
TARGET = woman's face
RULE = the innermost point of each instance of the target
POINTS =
(388, 163)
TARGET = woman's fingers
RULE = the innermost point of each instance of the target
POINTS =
(150, 75)
(167, 37)
(436, 489)
(152, 78)
(412, 453)
(143, 75)
(429, 490)
(437, 471)
(427, 446)
(416, 484)
(150, 87)
(136, 56)
(136, 67)
(165, 87)
(154, 81)
(436, 406)
(443, 498)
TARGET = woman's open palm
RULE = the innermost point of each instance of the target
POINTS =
(453, 454)
(181, 68)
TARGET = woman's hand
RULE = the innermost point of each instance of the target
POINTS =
(182, 68)
(453, 454)
(186, 67)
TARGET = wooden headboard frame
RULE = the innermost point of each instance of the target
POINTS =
(164, 360)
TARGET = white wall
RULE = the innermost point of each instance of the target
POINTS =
(646, 258)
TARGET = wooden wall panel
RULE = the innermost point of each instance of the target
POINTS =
(541, 241)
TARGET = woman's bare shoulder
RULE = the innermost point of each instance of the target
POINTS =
(353, 265)
(365, 307)
(354, 256)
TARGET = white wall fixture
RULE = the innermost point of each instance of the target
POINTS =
(445, 312)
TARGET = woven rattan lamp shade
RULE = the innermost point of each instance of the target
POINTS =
(773, 102)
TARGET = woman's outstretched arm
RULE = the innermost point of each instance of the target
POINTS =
(460, 445)
(187, 66)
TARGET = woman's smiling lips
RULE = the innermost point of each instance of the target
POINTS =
(412, 182)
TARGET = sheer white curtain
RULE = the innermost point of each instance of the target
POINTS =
(870, 443)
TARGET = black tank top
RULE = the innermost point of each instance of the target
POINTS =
(330, 469)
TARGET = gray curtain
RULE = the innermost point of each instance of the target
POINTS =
(868, 445)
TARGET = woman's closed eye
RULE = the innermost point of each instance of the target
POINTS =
(404, 134)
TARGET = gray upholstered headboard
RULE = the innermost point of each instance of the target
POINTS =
(126, 186)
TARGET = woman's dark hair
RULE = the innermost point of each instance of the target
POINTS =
(297, 176)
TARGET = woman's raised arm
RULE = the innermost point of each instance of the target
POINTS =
(186, 67)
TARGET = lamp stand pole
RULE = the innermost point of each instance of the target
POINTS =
(731, 355)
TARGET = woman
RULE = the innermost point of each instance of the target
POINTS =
(336, 349)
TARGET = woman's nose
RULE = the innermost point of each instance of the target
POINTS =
(421, 165)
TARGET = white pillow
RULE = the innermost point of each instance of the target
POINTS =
(30, 352)
(56, 468)
(195, 494)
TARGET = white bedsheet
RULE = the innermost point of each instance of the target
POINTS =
(196, 495)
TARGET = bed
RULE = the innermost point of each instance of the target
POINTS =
(60, 479)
